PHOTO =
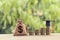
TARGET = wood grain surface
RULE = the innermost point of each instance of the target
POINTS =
(53, 36)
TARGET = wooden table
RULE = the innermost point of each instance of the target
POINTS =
(53, 36)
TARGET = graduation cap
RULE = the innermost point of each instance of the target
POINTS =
(47, 23)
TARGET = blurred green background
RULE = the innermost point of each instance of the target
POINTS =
(31, 12)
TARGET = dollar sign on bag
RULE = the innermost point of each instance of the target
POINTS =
(20, 29)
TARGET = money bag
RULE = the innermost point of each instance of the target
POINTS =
(20, 29)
